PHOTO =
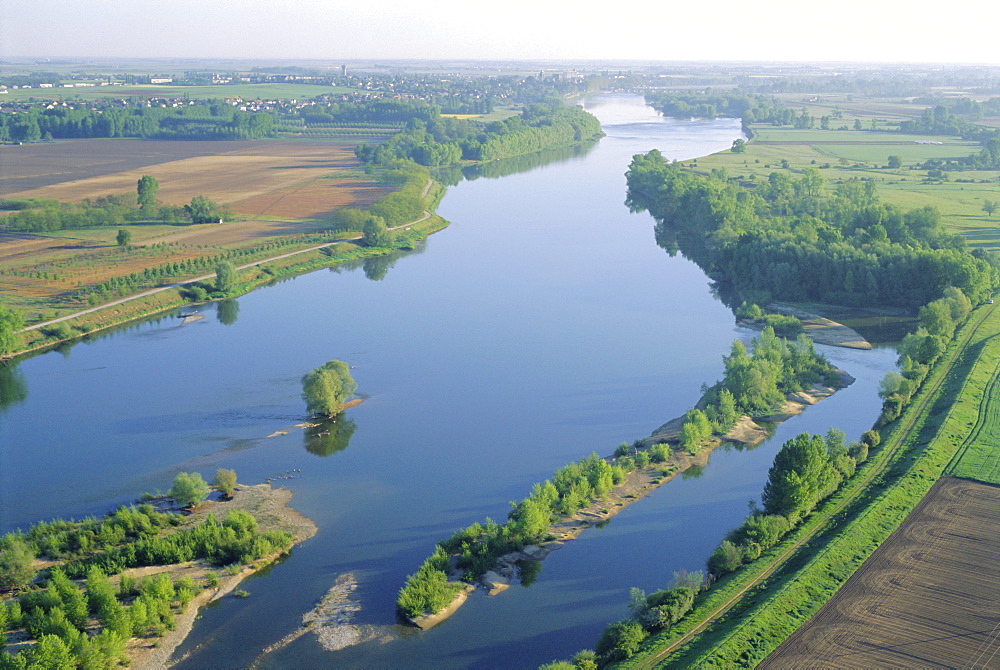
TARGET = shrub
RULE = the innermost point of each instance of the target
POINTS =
(658, 453)
(620, 640)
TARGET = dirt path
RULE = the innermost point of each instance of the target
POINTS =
(160, 289)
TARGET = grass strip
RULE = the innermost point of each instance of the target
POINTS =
(802, 572)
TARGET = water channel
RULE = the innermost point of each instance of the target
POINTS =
(542, 325)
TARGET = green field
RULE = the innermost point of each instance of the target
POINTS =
(974, 421)
(844, 155)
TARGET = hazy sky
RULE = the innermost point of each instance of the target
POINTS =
(845, 30)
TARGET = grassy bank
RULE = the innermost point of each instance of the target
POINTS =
(792, 583)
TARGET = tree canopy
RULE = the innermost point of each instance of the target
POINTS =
(10, 323)
(327, 388)
(146, 190)
(188, 489)
(225, 276)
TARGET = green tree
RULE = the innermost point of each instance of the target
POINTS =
(50, 652)
(990, 206)
(799, 478)
(327, 388)
(375, 232)
(620, 640)
(11, 323)
(147, 188)
(739, 146)
(226, 276)
(124, 237)
(225, 482)
(696, 428)
(203, 210)
(188, 489)
(726, 558)
(894, 162)
(15, 563)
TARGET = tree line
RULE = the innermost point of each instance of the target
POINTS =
(446, 141)
(46, 215)
(197, 121)
(790, 239)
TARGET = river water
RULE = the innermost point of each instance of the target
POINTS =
(542, 325)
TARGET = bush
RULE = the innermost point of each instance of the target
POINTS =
(726, 558)
(620, 640)
(659, 453)
(188, 489)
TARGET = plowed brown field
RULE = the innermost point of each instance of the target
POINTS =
(226, 172)
(928, 597)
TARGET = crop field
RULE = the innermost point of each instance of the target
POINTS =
(282, 188)
(226, 172)
(975, 419)
(927, 597)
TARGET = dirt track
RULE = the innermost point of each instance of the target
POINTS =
(928, 597)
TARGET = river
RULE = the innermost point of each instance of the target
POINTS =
(542, 325)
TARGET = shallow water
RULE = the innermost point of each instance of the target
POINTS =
(542, 325)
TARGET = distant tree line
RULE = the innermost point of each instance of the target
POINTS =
(791, 239)
(446, 141)
(198, 121)
(749, 107)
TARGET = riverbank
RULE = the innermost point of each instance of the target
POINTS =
(818, 328)
(88, 322)
(640, 482)
(271, 508)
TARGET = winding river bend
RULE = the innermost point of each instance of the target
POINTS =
(544, 324)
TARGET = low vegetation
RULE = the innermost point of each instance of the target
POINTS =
(72, 600)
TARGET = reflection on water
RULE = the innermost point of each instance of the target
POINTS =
(13, 385)
(227, 312)
(329, 436)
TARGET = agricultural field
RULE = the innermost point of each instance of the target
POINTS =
(844, 155)
(278, 189)
(927, 597)
(974, 420)
(226, 172)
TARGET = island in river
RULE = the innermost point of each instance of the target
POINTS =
(747, 431)
(193, 583)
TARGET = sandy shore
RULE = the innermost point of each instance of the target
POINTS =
(270, 507)
(820, 329)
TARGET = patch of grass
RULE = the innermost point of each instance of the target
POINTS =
(974, 420)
